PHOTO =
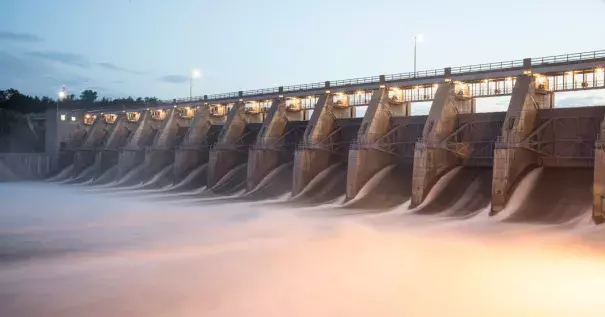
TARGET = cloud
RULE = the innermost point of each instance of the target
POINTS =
(577, 101)
(174, 79)
(19, 37)
(34, 76)
(114, 67)
(61, 57)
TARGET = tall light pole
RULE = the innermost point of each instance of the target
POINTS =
(417, 38)
(195, 73)
(60, 96)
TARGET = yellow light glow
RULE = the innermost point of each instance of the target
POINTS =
(541, 79)
(359, 92)
(382, 86)
(436, 86)
(395, 89)
(486, 81)
(599, 70)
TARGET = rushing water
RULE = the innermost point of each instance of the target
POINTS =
(71, 251)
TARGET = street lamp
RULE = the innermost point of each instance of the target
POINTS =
(417, 38)
(60, 96)
(195, 73)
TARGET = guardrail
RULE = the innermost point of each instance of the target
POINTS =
(514, 64)
(412, 75)
(304, 87)
(354, 81)
(487, 67)
(566, 58)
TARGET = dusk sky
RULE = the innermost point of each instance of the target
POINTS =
(148, 47)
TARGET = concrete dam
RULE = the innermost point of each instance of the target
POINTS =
(356, 143)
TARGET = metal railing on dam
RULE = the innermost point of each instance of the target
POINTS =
(492, 74)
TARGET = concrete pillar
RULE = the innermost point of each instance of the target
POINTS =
(312, 159)
(262, 159)
(134, 153)
(598, 209)
(85, 156)
(364, 160)
(511, 159)
(121, 131)
(225, 156)
(432, 159)
(191, 154)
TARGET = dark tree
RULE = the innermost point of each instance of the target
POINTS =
(88, 97)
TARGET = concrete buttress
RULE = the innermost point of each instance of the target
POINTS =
(598, 209)
(365, 161)
(133, 152)
(119, 135)
(511, 158)
(226, 154)
(318, 149)
(87, 153)
(263, 158)
(194, 150)
(432, 158)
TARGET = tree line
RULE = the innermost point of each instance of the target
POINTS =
(14, 101)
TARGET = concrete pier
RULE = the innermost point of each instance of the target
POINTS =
(98, 133)
(124, 127)
(327, 137)
(368, 155)
(172, 129)
(133, 153)
(237, 135)
(598, 209)
(195, 148)
(512, 159)
(432, 157)
(276, 142)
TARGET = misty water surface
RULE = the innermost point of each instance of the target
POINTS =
(74, 251)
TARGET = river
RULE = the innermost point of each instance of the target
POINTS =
(69, 250)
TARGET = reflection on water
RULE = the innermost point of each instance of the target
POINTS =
(69, 251)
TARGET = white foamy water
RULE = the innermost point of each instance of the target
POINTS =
(66, 251)
(63, 174)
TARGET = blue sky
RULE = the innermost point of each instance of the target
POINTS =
(148, 47)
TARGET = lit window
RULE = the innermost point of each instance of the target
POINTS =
(63, 117)
(73, 118)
